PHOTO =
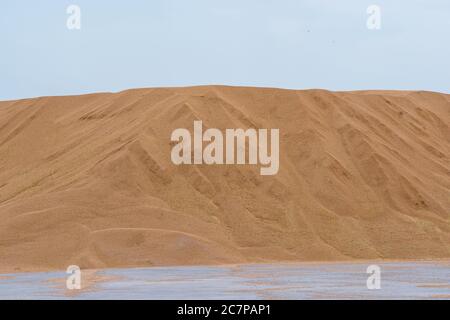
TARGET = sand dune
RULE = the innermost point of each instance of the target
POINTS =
(88, 180)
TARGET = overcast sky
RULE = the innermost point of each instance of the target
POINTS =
(284, 43)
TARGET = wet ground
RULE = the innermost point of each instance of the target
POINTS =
(399, 280)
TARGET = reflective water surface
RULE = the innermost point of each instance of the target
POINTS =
(399, 280)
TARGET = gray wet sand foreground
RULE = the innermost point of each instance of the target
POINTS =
(398, 280)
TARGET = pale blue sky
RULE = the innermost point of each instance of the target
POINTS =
(285, 43)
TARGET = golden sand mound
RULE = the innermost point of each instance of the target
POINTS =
(88, 180)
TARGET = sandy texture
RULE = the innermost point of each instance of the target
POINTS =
(88, 180)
